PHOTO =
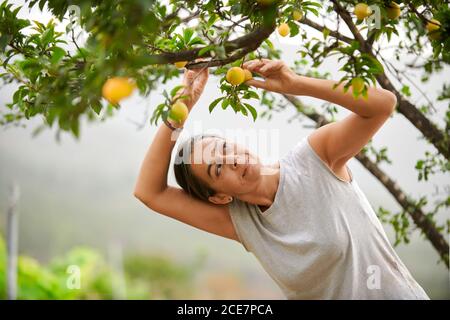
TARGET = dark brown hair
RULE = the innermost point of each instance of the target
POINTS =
(183, 171)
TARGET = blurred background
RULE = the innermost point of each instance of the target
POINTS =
(76, 204)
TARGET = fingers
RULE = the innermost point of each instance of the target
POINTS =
(257, 84)
(255, 64)
(188, 76)
(200, 74)
(204, 73)
(203, 76)
(264, 67)
(271, 66)
(200, 82)
(254, 61)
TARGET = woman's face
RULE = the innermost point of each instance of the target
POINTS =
(225, 166)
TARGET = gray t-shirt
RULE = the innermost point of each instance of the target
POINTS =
(320, 238)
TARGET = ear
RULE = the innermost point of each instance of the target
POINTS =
(220, 198)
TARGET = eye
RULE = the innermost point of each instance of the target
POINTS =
(218, 169)
(219, 166)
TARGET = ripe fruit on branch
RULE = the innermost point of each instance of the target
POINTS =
(297, 15)
(393, 10)
(117, 88)
(178, 112)
(248, 75)
(235, 76)
(362, 11)
(180, 64)
(433, 27)
(283, 29)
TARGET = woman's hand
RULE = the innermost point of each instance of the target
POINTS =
(278, 77)
(194, 82)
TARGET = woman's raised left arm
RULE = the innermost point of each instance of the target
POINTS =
(338, 141)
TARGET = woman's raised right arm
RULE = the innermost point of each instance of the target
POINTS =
(152, 179)
(152, 189)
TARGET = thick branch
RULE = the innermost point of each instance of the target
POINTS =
(247, 43)
(320, 28)
(431, 132)
(418, 216)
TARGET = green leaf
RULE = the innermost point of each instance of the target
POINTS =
(212, 19)
(75, 128)
(225, 103)
(187, 35)
(326, 33)
(294, 30)
(314, 11)
(195, 41)
(252, 111)
(269, 43)
(39, 25)
(310, 3)
(406, 91)
(57, 55)
(214, 104)
(419, 164)
(205, 49)
(4, 40)
(28, 64)
(183, 97)
(252, 94)
(243, 110)
(47, 37)
(96, 106)
(220, 70)
(174, 91)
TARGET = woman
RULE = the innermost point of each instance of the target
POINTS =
(304, 218)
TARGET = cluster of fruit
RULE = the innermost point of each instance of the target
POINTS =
(235, 76)
(362, 11)
(393, 11)
(118, 88)
(284, 29)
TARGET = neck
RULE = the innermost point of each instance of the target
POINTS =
(264, 194)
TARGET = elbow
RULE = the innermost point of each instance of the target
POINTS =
(143, 199)
(148, 199)
(139, 194)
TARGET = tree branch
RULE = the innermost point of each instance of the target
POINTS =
(247, 43)
(320, 28)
